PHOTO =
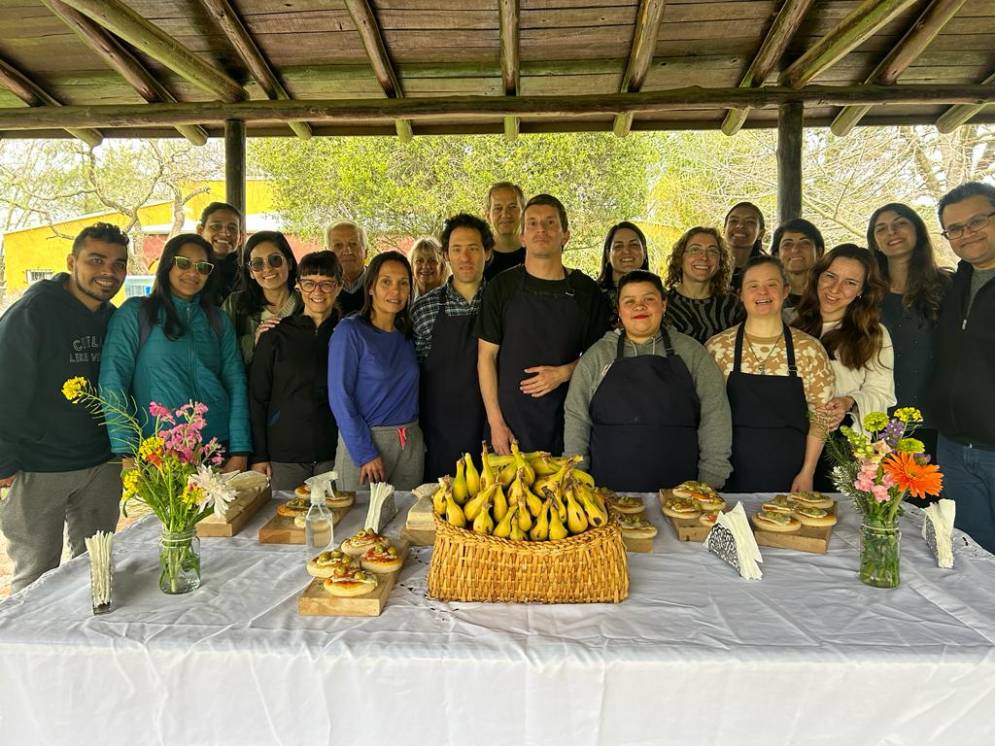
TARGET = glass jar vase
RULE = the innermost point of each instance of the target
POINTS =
(179, 561)
(880, 554)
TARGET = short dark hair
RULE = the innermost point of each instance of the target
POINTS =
(465, 220)
(549, 199)
(322, 262)
(965, 191)
(505, 185)
(106, 232)
(641, 275)
(402, 322)
(214, 207)
(798, 225)
(756, 261)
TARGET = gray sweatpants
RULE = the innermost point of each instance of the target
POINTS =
(403, 467)
(290, 476)
(40, 504)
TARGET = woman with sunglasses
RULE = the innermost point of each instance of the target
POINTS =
(293, 430)
(175, 346)
(373, 383)
(267, 292)
(900, 242)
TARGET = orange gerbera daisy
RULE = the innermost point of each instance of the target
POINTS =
(917, 479)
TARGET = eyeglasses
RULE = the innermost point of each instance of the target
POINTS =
(974, 224)
(703, 251)
(325, 286)
(275, 261)
(183, 264)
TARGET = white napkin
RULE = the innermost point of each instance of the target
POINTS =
(937, 530)
(731, 539)
(99, 548)
(382, 506)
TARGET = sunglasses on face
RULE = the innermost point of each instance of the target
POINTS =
(275, 261)
(183, 264)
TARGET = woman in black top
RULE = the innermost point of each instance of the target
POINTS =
(900, 242)
(293, 429)
(699, 301)
(624, 250)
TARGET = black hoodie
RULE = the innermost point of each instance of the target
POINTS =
(46, 338)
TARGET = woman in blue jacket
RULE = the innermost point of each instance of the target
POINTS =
(176, 346)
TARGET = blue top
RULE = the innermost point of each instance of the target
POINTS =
(201, 365)
(372, 382)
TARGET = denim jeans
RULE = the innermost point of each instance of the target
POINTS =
(969, 480)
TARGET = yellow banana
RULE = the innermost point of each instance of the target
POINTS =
(543, 465)
(517, 534)
(540, 531)
(487, 476)
(499, 462)
(439, 496)
(596, 516)
(584, 477)
(524, 517)
(454, 513)
(483, 523)
(576, 519)
(460, 493)
(476, 504)
(529, 497)
(522, 465)
(503, 529)
(472, 476)
(557, 503)
(556, 528)
(500, 502)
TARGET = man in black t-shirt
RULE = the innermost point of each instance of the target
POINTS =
(505, 203)
(535, 321)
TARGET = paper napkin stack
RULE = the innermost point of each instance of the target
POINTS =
(382, 507)
(731, 539)
(937, 530)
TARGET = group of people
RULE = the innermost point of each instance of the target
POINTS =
(732, 368)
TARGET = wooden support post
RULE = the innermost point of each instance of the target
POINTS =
(789, 161)
(903, 54)
(862, 23)
(119, 58)
(127, 23)
(235, 165)
(955, 116)
(782, 30)
(509, 15)
(34, 95)
(247, 49)
(640, 56)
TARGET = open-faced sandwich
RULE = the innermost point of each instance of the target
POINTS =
(359, 542)
(814, 516)
(812, 499)
(381, 558)
(769, 520)
(681, 507)
(325, 564)
(350, 582)
(625, 503)
(636, 527)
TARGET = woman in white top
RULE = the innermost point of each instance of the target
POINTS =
(841, 306)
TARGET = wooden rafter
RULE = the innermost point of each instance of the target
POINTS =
(640, 55)
(861, 23)
(510, 68)
(121, 20)
(369, 31)
(903, 54)
(253, 58)
(34, 95)
(782, 30)
(119, 58)
(485, 108)
(960, 114)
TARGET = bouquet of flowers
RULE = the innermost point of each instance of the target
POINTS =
(174, 474)
(880, 468)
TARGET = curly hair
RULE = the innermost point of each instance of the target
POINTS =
(720, 282)
(859, 335)
(926, 282)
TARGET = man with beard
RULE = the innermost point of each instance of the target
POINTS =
(221, 226)
(54, 455)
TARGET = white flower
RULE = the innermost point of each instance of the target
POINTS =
(215, 487)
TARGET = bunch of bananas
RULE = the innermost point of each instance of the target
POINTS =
(523, 496)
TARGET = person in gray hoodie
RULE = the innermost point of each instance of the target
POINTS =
(647, 406)
(54, 456)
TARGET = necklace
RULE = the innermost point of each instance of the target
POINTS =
(762, 364)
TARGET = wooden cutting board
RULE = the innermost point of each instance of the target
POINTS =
(813, 539)
(687, 529)
(214, 526)
(316, 601)
(281, 529)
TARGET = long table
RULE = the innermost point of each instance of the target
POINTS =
(695, 655)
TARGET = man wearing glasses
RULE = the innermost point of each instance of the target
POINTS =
(347, 241)
(963, 384)
(54, 456)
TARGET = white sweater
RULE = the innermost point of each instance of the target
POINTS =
(871, 386)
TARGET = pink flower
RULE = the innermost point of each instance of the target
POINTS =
(880, 493)
(200, 409)
(157, 410)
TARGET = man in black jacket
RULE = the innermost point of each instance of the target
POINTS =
(54, 456)
(963, 386)
(221, 226)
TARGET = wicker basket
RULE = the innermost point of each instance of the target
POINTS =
(588, 568)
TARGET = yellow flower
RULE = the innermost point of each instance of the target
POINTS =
(911, 445)
(875, 422)
(129, 481)
(192, 495)
(151, 446)
(909, 415)
(74, 388)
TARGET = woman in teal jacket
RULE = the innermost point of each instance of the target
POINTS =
(176, 346)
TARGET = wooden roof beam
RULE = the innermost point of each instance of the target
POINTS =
(246, 48)
(34, 95)
(862, 23)
(470, 109)
(119, 58)
(903, 54)
(510, 64)
(369, 31)
(121, 20)
(640, 56)
(960, 114)
(782, 30)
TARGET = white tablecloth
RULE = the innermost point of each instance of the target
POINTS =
(694, 656)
